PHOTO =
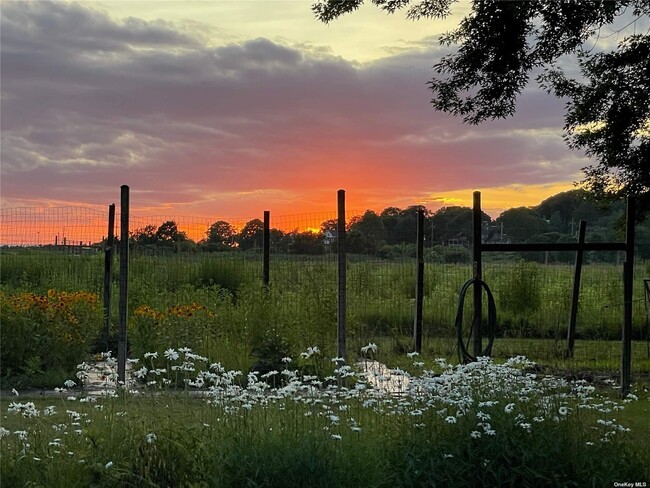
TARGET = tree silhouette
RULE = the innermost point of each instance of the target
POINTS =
(144, 236)
(366, 233)
(522, 223)
(329, 225)
(252, 235)
(168, 233)
(499, 46)
(452, 223)
(221, 233)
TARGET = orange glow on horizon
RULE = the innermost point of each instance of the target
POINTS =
(496, 200)
(89, 224)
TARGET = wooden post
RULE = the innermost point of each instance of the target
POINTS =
(342, 277)
(628, 288)
(419, 284)
(267, 248)
(108, 273)
(571, 334)
(124, 284)
(478, 274)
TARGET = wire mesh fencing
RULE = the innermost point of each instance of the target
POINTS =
(58, 247)
(199, 281)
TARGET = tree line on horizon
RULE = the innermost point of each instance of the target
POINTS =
(391, 233)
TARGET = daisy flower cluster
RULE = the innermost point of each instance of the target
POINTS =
(481, 400)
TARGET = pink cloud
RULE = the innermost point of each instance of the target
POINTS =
(89, 104)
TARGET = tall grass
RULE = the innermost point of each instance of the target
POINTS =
(533, 300)
(476, 425)
(234, 310)
(39, 271)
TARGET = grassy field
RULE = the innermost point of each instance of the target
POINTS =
(215, 304)
(230, 390)
(483, 424)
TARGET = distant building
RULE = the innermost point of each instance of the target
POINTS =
(493, 234)
(329, 237)
(459, 241)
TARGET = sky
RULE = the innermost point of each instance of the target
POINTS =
(230, 108)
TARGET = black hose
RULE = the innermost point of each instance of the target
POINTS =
(463, 354)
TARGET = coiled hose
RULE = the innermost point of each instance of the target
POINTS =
(463, 354)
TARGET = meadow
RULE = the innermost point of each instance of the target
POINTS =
(234, 385)
(184, 422)
(215, 303)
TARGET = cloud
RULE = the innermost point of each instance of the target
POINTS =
(90, 103)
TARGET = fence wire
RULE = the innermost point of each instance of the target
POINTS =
(199, 280)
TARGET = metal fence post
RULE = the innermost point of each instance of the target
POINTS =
(342, 277)
(571, 334)
(628, 288)
(124, 284)
(108, 273)
(267, 248)
(478, 274)
(419, 284)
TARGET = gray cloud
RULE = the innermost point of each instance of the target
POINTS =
(89, 103)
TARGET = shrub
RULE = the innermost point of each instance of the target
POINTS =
(449, 255)
(52, 332)
(151, 329)
(271, 351)
(226, 274)
(521, 293)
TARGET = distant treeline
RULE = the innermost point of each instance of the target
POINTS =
(448, 231)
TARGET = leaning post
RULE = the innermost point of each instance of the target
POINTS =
(628, 288)
(571, 334)
(124, 284)
(419, 284)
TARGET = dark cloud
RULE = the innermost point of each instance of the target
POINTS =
(77, 29)
(89, 103)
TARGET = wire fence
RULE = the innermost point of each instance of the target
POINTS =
(199, 281)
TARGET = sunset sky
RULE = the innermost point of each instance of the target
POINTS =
(229, 108)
